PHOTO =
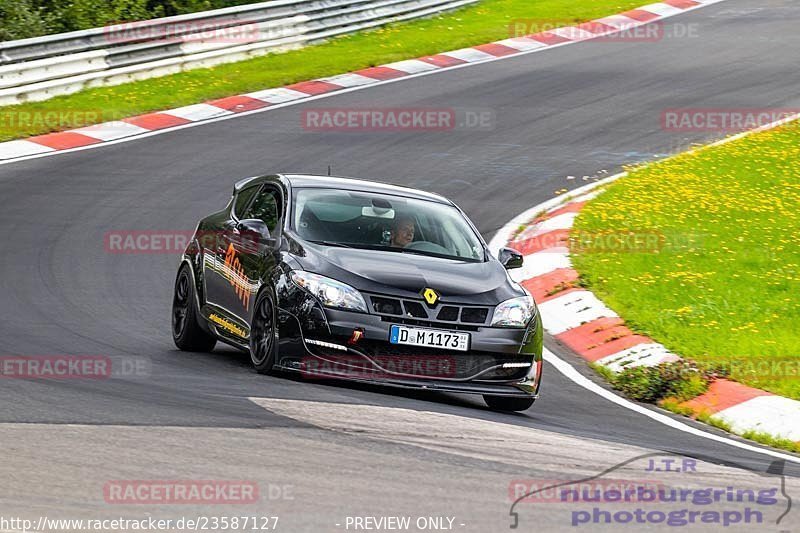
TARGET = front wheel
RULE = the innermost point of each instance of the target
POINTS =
(263, 335)
(186, 331)
(508, 403)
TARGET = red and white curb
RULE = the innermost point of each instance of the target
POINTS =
(579, 320)
(133, 127)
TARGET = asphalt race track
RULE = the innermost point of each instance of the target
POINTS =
(336, 450)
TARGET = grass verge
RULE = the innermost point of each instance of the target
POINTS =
(488, 21)
(669, 385)
(769, 440)
(721, 286)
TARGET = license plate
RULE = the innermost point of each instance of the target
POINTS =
(430, 338)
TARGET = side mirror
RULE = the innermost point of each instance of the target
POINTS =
(256, 233)
(510, 258)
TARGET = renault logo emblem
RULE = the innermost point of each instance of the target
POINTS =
(430, 296)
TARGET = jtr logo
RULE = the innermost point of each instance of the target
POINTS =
(234, 272)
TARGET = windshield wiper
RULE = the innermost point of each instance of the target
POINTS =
(441, 256)
(332, 243)
(359, 246)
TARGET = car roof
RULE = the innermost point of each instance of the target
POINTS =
(337, 182)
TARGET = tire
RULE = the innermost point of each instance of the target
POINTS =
(263, 334)
(186, 331)
(508, 403)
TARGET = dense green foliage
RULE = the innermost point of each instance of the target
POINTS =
(680, 380)
(20, 19)
(674, 382)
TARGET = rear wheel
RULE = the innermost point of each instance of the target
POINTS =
(186, 330)
(508, 403)
(263, 337)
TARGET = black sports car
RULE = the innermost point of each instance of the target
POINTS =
(343, 278)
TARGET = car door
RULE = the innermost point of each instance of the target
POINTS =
(249, 258)
(217, 274)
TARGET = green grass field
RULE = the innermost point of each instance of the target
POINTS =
(488, 21)
(724, 286)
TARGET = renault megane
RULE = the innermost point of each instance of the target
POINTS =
(345, 278)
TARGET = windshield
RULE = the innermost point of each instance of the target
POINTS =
(380, 221)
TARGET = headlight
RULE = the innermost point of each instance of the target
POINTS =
(515, 312)
(330, 292)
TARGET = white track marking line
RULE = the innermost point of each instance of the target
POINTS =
(349, 80)
(25, 148)
(522, 43)
(540, 263)
(662, 9)
(573, 375)
(567, 312)
(277, 95)
(196, 112)
(645, 354)
(770, 414)
(562, 221)
(621, 22)
(573, 33)
(319, 96)
(470, 55)
(411, 66)
(108, 131)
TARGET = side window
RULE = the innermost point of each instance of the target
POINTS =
(265, 207)
(243, 200)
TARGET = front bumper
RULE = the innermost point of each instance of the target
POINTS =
(315, 341)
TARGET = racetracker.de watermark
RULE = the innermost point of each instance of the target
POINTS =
(346, 366)
(207, 31)
(354, 119)
(177, 241)
(722, 120)
(633, 31)
(623, 241)
(52, 120)
(62, 367)
(633, 242)
(177, 492)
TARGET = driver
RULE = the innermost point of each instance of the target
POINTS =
(402, 231)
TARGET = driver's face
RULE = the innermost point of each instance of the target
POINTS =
(403, 233)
